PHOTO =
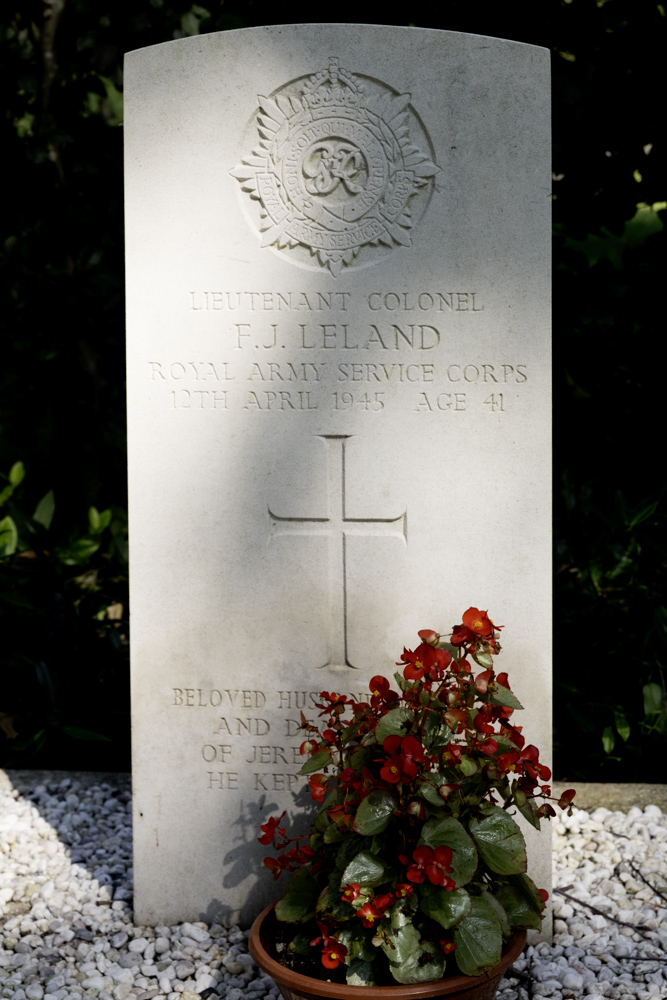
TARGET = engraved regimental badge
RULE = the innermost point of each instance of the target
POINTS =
(340, 170)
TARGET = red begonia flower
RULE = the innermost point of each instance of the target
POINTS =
(477, 621)
(447, 946)
(425, 659)
(277, 865)
(514, 733)
(451, 754)
(392, 770)
(416, 808)
(270, 828)
(546, 810)
(431, 864)
(444, 791)
(350, 892)
(462, 636)
(337, 702)
(381, 693)
(481, 724)
(566, 798)
(456, 719)
(482, 681)
(318, 786)
(333, 955)
(544, 894)
(405, 754)
(403, 890)
(369, 913)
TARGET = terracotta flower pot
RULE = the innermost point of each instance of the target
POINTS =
(295, 986)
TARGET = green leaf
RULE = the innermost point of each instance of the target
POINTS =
(5, 494)
(521, 901)
(360, 757)
(366, 869)
(374, 812)
(360, 973)
(300, 944)
(436, 732)
(298, 905)
(98, 521)
(403, 684)
(652, 695)
(608, 739)
(503, 696)
(80, 551)
(16, 474)
(448, 908)
(331, 905)
(322, 822)
(317, 762)
(394, 723)
(32, 744)
(500, 842)
(622, 724)
(504, 742)
(643, 515)
(478, 939)
(454, 650)
(83, 734)
(528, 809)
(505, 928)
(407, 956)
(9, 537)
(356, 940)
(45, 510)
(345, 853)
(17, 600)
(332, 834)
(484, 660)
(429, 788)
(468, 766)
(349, 732)
(448, 832)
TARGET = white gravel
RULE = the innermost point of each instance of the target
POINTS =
(610, 908)
(66, 929)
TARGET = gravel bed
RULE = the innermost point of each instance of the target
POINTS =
(66, 927)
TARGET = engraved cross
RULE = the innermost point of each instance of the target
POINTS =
(338, 527)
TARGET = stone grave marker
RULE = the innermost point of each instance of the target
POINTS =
(338, 406)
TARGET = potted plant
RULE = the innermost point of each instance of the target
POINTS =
(414, 871)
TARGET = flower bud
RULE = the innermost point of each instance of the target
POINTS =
(428, 636)
(444, 791)
(416, 809)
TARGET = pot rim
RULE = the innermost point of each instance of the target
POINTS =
(320, 987)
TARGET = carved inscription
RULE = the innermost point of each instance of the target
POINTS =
(336, 166)
(250, 738)
(332, 351)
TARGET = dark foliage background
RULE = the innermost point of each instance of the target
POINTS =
(64, 698)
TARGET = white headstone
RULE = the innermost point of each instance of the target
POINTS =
(338, 406)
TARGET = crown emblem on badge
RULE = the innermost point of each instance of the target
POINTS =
(337, 160)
